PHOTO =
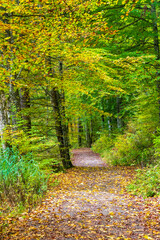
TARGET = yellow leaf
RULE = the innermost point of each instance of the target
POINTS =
(147, 237)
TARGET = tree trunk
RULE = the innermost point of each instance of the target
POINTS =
(80, 131)
(103, 122)
(64, 120)
(61, 123)
(88, 135)
(109, 125)
(60, 132)
(25, 107)
(156, 47)
(119, 121)
(4, 116)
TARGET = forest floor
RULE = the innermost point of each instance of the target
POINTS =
(90, 202)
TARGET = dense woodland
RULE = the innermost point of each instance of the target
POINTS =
(77, 73)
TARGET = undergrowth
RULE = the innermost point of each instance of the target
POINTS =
(21, 181)
(147, 182)
(139, 146)
(104, 143)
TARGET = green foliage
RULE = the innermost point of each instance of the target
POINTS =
(156, 142)
(44, 149)
(147, 182)
(104, 143)
(135, 147)
(50, 164)
(20, 178)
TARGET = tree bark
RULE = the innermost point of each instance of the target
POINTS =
(119, 121)
(4, 117)
(156, 47)
(61, 123)
(155, 30)
(88, 135)
(109, 125)
(64, 120)
(60, 132)
(80, 131)
(25, 107)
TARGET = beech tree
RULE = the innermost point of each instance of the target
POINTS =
(39, 42)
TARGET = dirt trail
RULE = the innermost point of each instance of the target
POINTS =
(85, 157)
(91, 203)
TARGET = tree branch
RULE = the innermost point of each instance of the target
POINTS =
(128, 25)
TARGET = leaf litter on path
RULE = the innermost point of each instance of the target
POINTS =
(90, 203)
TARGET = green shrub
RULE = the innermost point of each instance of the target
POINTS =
(20, 178)
(104, 143)
(51, 165)
(134, 147)
(156, 142)
(147, 182)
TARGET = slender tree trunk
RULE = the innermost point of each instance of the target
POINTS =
(12, 95)
(64, 122)
(71, 124)
(88, 135)
(4, 116)
(156, 47)
(91, 130)
(109, 125)
(103, 117)
(80, 131)
(58, 122)
(103, 122)
(155, 30)
(109, 119)
(119, 121)
(25, 108)
(12, 106)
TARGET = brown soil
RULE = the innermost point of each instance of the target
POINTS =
(91, 202)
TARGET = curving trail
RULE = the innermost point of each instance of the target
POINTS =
(91, 203)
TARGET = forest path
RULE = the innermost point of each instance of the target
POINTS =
(85, 157)
(90, 202)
